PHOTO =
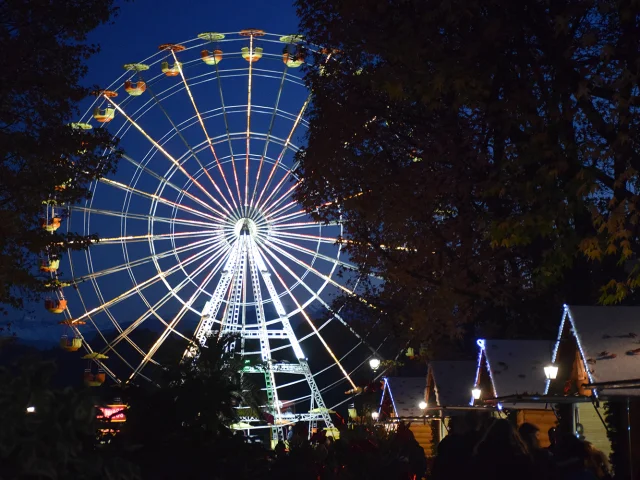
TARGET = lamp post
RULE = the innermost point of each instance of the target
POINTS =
(551, 371)
(476, 393)
(374, 363)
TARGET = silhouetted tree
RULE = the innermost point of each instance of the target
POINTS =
(180, 428)
(43, 55)
(483, 156)
(57, 440)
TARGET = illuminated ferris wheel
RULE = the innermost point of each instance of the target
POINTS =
(199, 234)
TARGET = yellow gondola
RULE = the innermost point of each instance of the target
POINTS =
(211, 58)
(292, 60)
(72, 344)
(252, 57)
(171, 71)
(49, 265)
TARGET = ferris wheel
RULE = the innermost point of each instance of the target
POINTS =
(199, 234)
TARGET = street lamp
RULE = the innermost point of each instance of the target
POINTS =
(476, 392)
(374, 363)
(422, 405)
(31, 409)
(375, 415)
(551, 371)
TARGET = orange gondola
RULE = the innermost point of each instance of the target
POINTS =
(104, 115)
(55, 305)
(135, 89)
(94, 379)
(51, 225)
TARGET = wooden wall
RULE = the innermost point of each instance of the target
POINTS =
(543, 419)
(424, 435)
(594, 431)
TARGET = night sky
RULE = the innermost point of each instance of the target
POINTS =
(142, 25)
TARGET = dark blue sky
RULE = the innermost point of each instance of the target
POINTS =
(142, 25)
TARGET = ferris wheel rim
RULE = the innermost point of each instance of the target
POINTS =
(272, 250)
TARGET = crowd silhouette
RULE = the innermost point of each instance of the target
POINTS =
(492, 449)
(478, 447)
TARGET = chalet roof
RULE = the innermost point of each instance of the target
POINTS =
(609, 338)
(453, 382)
(407, 393)
(517, 366)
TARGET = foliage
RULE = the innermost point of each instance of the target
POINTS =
(615, 416)
(44, 50)
(483, 155)
(187, 419)
(58, 440)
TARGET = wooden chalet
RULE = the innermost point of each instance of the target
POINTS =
(509, 373)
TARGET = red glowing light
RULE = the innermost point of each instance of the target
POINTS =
(112, 413)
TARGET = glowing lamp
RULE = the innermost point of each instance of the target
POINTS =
(476, 392)
(374, 363)
(31, 409)
(375, 416)
(422, 405)
(551, 372)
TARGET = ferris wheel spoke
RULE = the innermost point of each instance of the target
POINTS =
(277, 217)
(290, 216)
(334, 314)
(314, 271)
(304, 237)
(138, 288)
(171, 294)
(153, 197)
(211, 147)
(282, 210)
(171, 326)
(164, 181)
(147, 283)
(284, 150)
(287, 194)
(153, 309)
(226, 126)
(179, 132)
(170, 157)
(117, 325)
(269, 131)
(248, 136)
(141, 216)
(313, 253)
(145, 260)
(306, 316)
(155, 237)
(305, 225)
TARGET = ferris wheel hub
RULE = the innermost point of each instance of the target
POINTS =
(245, 226)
